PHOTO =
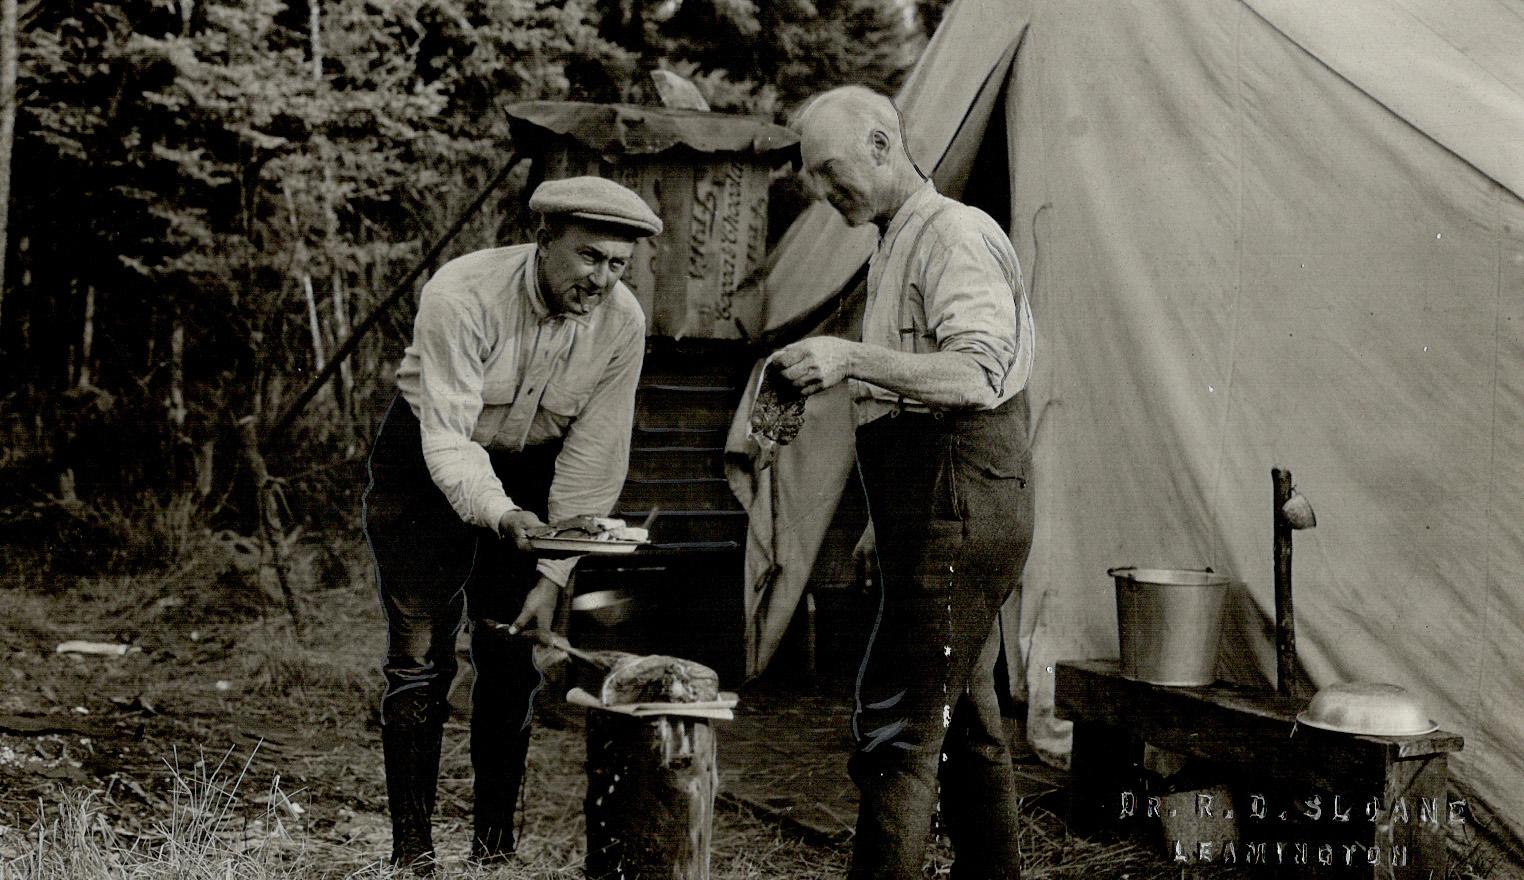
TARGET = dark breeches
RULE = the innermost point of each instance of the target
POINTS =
(951, 506)
(433, 570)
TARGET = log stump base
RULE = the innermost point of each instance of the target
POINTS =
(650, 796)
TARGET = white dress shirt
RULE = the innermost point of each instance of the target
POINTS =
(491, 368)
(945, 278)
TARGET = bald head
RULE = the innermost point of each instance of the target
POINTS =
(854, 157)
(849, 107)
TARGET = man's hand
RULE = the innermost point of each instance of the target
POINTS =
(516, 525)
(817, 363)
(539, 608)
(865, 558)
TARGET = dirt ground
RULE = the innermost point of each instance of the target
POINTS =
(217, 690)
(223, 725)
(225, 744)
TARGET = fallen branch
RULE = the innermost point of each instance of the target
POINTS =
(38, 725)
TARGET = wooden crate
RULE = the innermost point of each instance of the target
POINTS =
(706, 174)
(689, 278)
(686, 399)
(689, 588)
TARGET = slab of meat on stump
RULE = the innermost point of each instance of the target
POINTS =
(659, 679)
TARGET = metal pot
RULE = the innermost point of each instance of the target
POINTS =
(1168, 624)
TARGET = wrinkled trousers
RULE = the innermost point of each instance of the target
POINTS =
(951, 506)
(432, 568)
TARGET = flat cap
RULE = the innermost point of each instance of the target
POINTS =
(596, 200)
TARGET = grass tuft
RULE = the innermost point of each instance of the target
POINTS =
(211, 832)
(277, 664)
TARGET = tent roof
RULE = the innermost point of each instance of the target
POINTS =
(1452, 69)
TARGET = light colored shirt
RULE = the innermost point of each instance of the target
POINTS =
(945, 278)
(491, 368)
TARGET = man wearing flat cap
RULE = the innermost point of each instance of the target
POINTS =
(514, 409)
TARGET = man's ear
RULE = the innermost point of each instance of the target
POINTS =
(879, 144)
(542, 237)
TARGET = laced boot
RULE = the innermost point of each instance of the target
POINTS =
(411, 732)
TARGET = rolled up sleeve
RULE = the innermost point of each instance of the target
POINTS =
(595, 455)
(448, 340)
(970, 303)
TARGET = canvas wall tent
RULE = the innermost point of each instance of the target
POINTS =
(1255, 233)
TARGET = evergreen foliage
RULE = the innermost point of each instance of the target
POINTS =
(207, 193)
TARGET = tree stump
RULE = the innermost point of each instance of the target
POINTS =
(650, 796)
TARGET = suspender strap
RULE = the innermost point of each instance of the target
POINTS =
(905, 283)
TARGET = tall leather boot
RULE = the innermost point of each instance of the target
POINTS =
(411, 733)
(506, 682)
(498, 766)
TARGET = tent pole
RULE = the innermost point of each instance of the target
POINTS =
(1285, 618)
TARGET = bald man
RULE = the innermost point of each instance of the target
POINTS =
(937, 382)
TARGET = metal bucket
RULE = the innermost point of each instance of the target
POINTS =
(1169, 622)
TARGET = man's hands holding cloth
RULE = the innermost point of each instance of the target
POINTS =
(817, 363)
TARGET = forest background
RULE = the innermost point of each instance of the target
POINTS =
(200, 201)
(205, 197)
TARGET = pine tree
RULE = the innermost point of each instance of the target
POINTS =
(187, 168)
(8, 15)
(768, 55)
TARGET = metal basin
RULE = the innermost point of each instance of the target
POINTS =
(607, 607)
(1368, 708)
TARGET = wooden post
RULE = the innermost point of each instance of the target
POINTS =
(1285, 618)
(650, 796)
(1415, 848)
(270, 498)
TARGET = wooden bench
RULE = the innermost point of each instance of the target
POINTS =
(1252, 735)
